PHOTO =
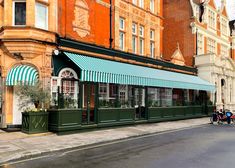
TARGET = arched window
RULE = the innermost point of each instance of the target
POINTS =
(67, 84)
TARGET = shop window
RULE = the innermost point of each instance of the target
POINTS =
(154, 97)
(19, 13)
(41, 16)
(123, 98)
(115, 96)
(166, 97)
(178, 97)
(65, 87)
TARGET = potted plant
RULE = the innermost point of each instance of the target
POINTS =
(34, 100)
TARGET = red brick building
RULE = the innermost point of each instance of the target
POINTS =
(201, 32)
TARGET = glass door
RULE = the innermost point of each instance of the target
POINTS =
(88, 113)
(139, 103)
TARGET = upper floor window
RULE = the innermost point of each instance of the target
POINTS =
(122, 34)
(141, 3)
(224, 50)
(121, 24)
(152, 34)
(200, 44)
(19, 13)
(211, 46)
(151, 5)
(134, 38)
(211, 19)
(134, 2)
(224, 26)
(134, 28)
(41, 16)
(141, 31)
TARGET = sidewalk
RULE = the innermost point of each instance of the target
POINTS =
(16, 145)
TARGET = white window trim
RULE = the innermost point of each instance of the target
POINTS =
(141, 35)
(203, 44)
(134, 2)
(141, 47)
(152, 6)
(208, 39)
(13, 13)
(68, 69)
(136, 29)
(136, 39)
(38, 3)
(227, 26)
(123, 49)
(153, 36)
(122, 28)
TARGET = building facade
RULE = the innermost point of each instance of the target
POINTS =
(28, 36)
(110, 70)
(202, 32)
(102, 60)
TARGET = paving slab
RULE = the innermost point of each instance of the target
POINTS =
(18, 145)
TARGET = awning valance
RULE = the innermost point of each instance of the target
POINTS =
(22, 75)
(106, 71)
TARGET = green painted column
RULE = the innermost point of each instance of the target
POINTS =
(96, 103)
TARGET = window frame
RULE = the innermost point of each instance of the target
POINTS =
(47, 19)
(121, 19)
(200, 44)
(13, 12)
(122, 45)
(152, 6)
(141, 3)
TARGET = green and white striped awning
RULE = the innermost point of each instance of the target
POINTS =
(22, 75)
(106, 71)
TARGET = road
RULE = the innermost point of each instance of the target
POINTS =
(208, 146)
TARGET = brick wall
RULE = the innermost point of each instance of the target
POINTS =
(177, 18)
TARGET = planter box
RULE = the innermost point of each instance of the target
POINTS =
(114, 115)
(64, 119)
(34, 122)
(175, 112)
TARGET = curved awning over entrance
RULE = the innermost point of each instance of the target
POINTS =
(22, 75)
(106, 71)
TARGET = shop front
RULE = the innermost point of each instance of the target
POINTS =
(94, 92)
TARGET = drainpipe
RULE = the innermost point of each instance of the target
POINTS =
(111, 25)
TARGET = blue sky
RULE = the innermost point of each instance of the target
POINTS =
(230, 8)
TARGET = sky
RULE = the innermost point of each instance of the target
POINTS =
(230, 8)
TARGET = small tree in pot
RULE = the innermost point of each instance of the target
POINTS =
(34, 98)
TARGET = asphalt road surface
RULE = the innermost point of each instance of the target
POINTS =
(208, 146)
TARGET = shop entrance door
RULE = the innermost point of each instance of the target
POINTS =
(88, 113)
(139, 103)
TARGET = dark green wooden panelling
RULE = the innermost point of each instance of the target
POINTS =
(34, 122)
(64, 119)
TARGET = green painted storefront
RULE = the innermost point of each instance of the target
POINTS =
(93, 111)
